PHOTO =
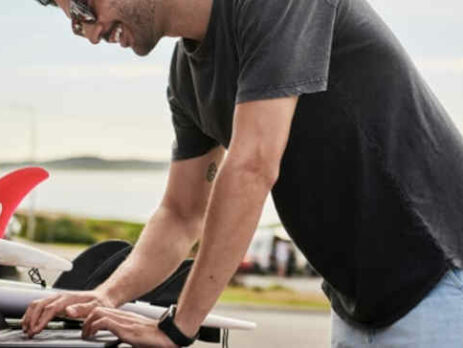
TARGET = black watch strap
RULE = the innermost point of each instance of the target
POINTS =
(167, 325)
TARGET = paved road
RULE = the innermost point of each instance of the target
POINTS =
(277, 329)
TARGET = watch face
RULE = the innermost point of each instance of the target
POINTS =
(165, 315)
(170, 312)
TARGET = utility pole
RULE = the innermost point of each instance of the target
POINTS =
(29, 112)
(31, 223)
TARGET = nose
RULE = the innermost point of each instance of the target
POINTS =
(93, 32)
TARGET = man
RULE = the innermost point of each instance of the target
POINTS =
(317, 102)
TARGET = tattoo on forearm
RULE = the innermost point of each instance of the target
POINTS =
(211, 172)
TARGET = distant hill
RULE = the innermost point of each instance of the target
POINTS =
(92, 163)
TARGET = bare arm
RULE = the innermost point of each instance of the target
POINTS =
(171, 232)
(164, 243)
(260, 135)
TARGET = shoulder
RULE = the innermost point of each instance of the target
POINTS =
(263, 6)
(254, 16)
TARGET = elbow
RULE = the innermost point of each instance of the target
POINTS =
(257, 167)
(265, 173)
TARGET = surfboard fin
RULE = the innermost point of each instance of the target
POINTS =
(14, 187)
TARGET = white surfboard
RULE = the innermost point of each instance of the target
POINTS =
(16, 254)
(14, 300)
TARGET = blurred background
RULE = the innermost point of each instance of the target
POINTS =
(97, 118)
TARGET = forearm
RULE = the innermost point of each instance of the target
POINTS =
(232, 217)
(162, 246)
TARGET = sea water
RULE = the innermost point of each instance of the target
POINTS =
(123, 195)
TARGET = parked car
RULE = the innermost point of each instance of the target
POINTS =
(261, 255)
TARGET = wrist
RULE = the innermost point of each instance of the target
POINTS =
(169, 327)
(185, 326)
(106, 298)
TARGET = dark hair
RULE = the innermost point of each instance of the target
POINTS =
(47, 2)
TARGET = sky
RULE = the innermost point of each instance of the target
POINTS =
(80, 99)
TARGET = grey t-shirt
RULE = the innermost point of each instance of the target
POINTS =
(370, 186)
(252, 50)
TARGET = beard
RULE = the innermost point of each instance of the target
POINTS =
(139, 15)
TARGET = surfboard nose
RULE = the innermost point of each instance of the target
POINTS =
(14, 187)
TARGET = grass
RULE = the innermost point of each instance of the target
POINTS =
(60, 228)
(274, 297)
(114, 229)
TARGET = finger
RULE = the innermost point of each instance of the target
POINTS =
(54, 309)
(25, 321)
(48, 313)
(120, 330)
(74, 299)
(96, 314)
(36, 312)
(101, 312)
(81, 310)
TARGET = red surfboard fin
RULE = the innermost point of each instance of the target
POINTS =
(14, 187)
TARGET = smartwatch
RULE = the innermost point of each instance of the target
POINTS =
(166, 324)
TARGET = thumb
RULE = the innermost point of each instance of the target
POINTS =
(80, 310)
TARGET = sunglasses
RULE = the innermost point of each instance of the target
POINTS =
(80, 12)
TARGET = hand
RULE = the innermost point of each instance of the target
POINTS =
(131, 328)
(70, 304)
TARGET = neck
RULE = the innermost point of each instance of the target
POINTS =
(187, 18)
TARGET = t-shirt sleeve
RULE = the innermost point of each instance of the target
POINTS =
(284, 47)
(189, 141)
